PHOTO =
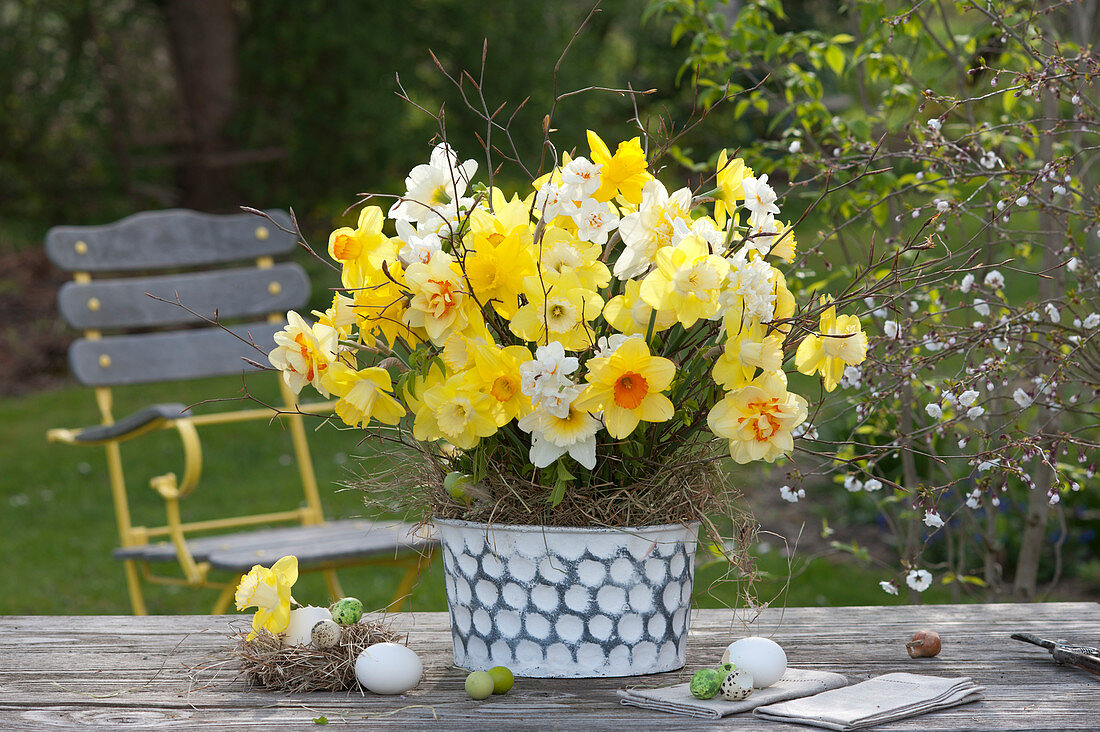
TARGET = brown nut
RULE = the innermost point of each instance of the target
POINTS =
(925, 644)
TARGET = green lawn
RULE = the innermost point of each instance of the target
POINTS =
(57, 525)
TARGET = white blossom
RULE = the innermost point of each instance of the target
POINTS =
(989, 160)
(934, 124)
(994, 279)
(759, 196)
(433, 187)
(1054, 498)
(790, 495)
(919, 579)
(981, 307)
(852, 377)
(581, 178)
(595, 221)
(1022, 398)
(853, 484)
(1091, 321)
(1052, 313)
(795, 147)
(968, 397)
(934, 411)
(975, 412)
(872, 485)
(942, 205)
(967, 283)
(1022, 200)
(1072, 265)
(933, 519)
(890, 328)
(1075, 99)
(888, 587)
(974, 499)
(1059, 190)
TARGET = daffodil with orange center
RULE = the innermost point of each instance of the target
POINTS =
(841, 342)
(627, 386)
(362, 248)
(438, 303)
(758, 418)
(304, 352)
(365, 394)
(623, 173)
(268, 590)
(731, 176)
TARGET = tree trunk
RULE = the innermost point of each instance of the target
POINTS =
(203, 36)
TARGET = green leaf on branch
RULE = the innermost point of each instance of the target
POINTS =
(835, 58)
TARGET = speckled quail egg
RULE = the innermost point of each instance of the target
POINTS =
(347, 610)
(737, 685)
(324, 634)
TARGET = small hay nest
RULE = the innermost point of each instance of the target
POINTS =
(264, 661)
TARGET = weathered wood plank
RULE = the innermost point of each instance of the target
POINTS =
(166, 239)
(227, 294)
(144, 664)
(156, 357)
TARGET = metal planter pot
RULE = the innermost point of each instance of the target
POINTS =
(563, 602)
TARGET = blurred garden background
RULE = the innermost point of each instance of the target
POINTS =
(891, 124)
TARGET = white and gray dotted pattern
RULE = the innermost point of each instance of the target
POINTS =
(562, 602)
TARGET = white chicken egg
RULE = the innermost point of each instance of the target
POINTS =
(761, 657)
(299, 631)
(388, 668)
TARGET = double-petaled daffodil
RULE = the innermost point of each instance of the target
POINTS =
(364, 395)
(363, 248)
(758, 418)
(651, 228)
(455, 411)
(268, 590)
(553, 436)
(731, 174)
(759, 196)
(841, 342)
(341, 316)
(688, 280)
(623, 173)
(380, 307)
(559, 309)
(438, 303)
(303, 352)
(432, 189)
(747, 349)
(496, 370)
(627, 386)
(628, 313)
(752, 290)
(498, 253)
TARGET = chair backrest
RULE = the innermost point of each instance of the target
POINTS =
(130, 337)
(197, 265)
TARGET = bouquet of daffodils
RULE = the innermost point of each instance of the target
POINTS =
(594, 333)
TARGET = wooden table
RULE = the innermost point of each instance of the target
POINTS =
(118, 672)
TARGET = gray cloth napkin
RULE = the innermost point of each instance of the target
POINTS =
(876, 701)
(795, 683)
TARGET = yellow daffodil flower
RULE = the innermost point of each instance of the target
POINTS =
(304, 352)
(380, 306)
(627, 386)
(731, 175)
(562, 251)
(688, 279)
(455, 411)
(629, 314)
(438, 302)
(747, 350)
(758, 418)
(363, 248)
(560, 313)
(341, 316)
(364, 395)
(623, 173)
(496, 372)
(841, 342)
(268, 590)
(498, 255)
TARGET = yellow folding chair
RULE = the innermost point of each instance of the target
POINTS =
(132, 338)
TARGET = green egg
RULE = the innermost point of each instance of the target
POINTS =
(347, 611)
(706, 683)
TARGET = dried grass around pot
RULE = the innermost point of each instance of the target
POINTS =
(264, 661)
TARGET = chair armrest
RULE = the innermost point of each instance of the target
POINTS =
(131, 426)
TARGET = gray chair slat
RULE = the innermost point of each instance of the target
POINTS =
(166, 239)
(312, 545)
(231, 293)
(154, 357)
(131, 423)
